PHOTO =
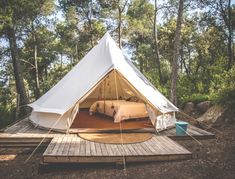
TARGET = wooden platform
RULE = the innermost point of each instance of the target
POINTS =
(24, 134)
(193, 131)
(69, 148)
(73, 149)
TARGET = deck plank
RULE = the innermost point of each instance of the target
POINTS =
(126, 149)
(93, 149)
(156, 148)
(87, 148)
(160, 144)
(68, 143)
(203, 132)
(52, 145)
(121, 149)
(169, 146)
(177, 146)
(141, 149)
(57, 146)
(115, 150)
(98, 149)
(148, 145)
(131, 149)
(62, 145)
(72, 148)
(77, 146)
(103, 149)
(136, 148)
(109, 149)
(82, 151)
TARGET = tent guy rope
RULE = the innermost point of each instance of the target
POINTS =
(190, 117)
(42, 140)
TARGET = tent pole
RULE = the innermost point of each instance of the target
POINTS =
(120, 123)
(121, 86)
(104, 93)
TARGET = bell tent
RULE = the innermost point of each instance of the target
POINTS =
(104, 73)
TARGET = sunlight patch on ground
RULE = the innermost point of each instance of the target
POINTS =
(7, 157)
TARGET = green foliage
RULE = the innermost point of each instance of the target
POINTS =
(226, 94)
(227, 97)
(7, 107)
(7, 116)
(195, 98)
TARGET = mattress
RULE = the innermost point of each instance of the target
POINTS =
(119, 109)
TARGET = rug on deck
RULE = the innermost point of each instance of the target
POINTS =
(124, 138)
(83, 120)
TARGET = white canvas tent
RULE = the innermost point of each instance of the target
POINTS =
(58, 107)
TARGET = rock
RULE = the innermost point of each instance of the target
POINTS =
(203, 106)
(212, 114)
(189, 107)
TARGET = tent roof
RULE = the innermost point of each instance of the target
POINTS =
(103, 58)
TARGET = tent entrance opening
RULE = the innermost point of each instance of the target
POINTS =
(99, 121)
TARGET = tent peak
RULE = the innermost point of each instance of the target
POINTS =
(106, 36)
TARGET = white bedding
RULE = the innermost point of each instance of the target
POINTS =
(120, 109)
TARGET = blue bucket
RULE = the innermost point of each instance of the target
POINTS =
(181, 127)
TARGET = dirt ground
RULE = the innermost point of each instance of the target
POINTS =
(214, 159)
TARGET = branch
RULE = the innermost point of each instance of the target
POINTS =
(27, 62)
(124, 6)
(223, 13)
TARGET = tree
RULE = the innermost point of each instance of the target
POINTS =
(175, 56)
(155, 44)
(90, 27)
(223, 10)
(140, 33)
(46, 47)
(10, 15)
(18, 17)
(115, 11)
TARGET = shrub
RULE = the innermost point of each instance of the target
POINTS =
(195, 98)
(7, 116)
(227, 97)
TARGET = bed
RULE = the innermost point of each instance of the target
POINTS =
(119, 109)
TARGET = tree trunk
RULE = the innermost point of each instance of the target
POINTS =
(230, 38)
(36, 75)
(61, 64)
(37, 87)
(174, 65)
(46, 72)
(17, 67)
(89, 18)
(119, 26)
(141, 65)
(156, 50)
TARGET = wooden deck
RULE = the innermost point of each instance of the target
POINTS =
(73, 149)
(192, 131)
(69, 148)
(23, 133)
